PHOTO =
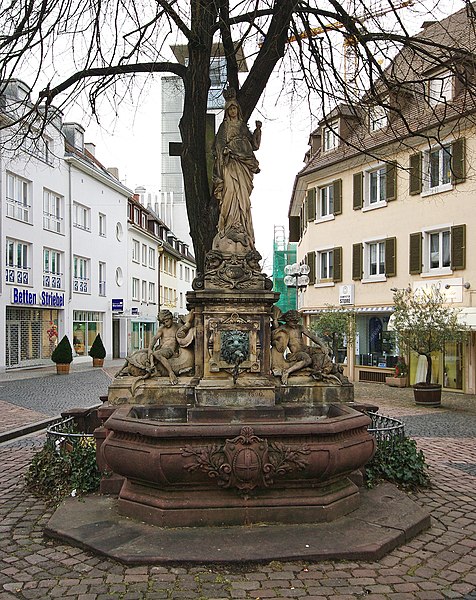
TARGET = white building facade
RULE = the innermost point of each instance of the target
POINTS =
(81, 256)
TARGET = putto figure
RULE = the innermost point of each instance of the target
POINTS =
(235, 165)
(290, 353)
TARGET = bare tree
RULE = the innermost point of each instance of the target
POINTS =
(110, 45)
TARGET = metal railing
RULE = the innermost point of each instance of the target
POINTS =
(386, 430)
(58, 432)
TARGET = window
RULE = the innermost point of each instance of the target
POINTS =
(187, 274)
(144, 291)
(440, 88)
(135, 288)
(437, 164)
(438, 169)
(135, 251)
(152, 293)
(53, 207)
(52, 262)
(181, 272)
(377, 186)
(330, 137)
(376, 258)
(151, 257)
(144, 254)
(81, 218)
(81, 275)
(102, 225)
(18, 198)
(144, 221)
(17, 262)
(326, 201)
(136, 216)
(438, 251)
(326, 265)
(102, 278)
(377, 118)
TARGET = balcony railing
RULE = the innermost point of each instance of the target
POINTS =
(53, 281)
(18, 210)
(17, 275)
(81, 285)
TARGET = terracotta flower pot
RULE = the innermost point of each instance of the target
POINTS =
(427, 394)
(62, 369)
(397, 381)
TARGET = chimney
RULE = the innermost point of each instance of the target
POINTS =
(91, 148)
(114, 171)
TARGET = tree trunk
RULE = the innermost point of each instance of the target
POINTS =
(202, 209)
(429, 368)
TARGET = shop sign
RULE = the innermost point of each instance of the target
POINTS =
(117, 304)
(29, 298)
(346, 294)
(134, 311)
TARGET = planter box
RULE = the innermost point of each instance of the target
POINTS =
(397, 381)
(62, 369)
(98, 362)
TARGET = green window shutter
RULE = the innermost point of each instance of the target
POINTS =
(415, 253)
(391, 182)
(311, 261)
(458, 160)
(391, 257)
(337, 264)
(458, 247)
(311, 204)
(294, 229)
(415, 173)
(358, 190)
(357, 260)
(337, 196)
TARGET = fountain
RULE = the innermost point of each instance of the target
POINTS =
(231, 418)
(260, 429)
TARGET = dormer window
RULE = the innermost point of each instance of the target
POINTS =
(378, 118)
(440, 88)
(330, 139)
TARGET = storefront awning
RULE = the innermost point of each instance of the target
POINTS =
(355, 309)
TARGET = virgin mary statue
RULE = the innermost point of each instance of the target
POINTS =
(235, 165)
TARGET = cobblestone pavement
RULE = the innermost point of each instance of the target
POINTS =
(438, 564)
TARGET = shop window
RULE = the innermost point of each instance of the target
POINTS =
(86, 326)
(18, 192)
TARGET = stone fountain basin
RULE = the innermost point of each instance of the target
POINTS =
(187, 466)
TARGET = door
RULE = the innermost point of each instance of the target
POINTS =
(13, 345)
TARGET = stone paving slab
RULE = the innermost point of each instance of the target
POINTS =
(386, 518)
(14, 417)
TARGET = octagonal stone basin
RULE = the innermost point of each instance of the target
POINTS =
(186, 466)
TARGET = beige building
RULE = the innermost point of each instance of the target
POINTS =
(386, 200)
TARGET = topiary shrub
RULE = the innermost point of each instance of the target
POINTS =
(97, 349)
(398, 462)
(63, 353)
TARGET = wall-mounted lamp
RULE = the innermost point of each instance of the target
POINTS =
(466, 285)
(408, 289)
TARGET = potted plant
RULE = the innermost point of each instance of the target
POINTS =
(97, 352)
(62, 355)
(423, 323)
(400, 377)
